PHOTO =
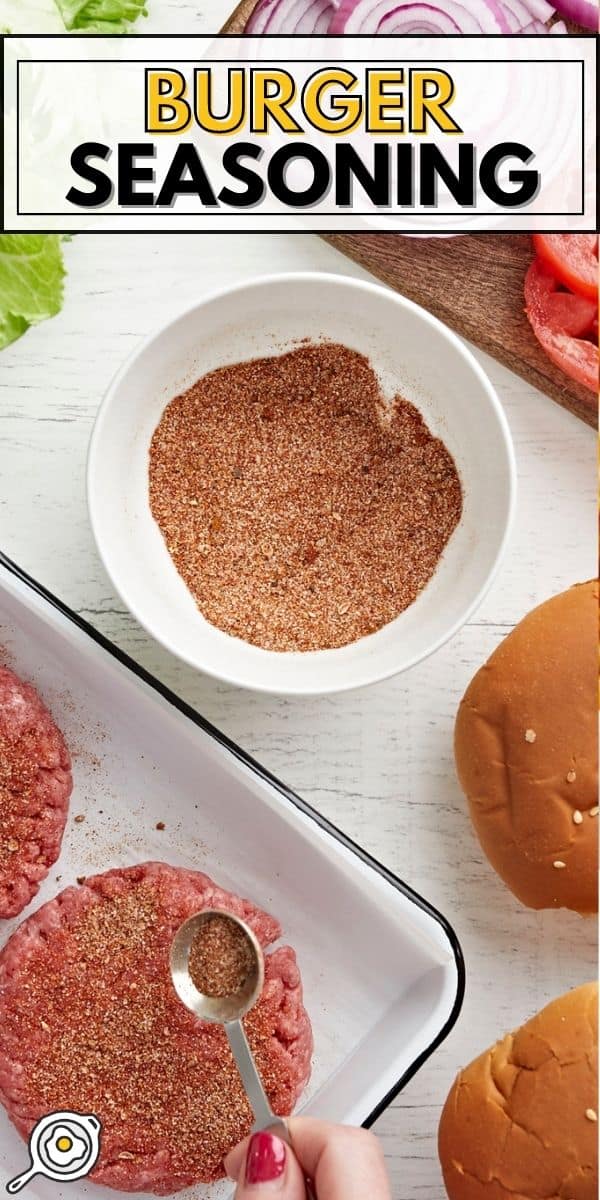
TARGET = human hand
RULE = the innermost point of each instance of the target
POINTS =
(343, 1163)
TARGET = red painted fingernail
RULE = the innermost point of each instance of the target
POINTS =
(265, 1160)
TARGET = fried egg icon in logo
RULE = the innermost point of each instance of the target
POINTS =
(62, 1146)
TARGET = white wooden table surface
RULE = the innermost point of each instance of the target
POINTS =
(378, 762)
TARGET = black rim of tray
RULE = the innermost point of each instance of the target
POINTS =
(292, 798)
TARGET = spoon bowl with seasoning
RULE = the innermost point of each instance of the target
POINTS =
(218, 972)
(217, 966)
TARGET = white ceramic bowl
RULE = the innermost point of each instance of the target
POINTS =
(412, 353)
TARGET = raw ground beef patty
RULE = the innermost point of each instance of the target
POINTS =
(89, 1020)
(35, 785)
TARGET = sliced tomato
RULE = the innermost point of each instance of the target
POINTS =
(558, 310)
(560, 322)
(573, 257)
(576, 358)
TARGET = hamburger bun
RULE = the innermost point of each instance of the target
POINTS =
(526, 754)
(521, 1121)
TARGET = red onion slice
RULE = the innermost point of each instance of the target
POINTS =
(413, 16)
(318, 16)
(540, 10)
(437, 16)
(582, 12)
(428, 17)
(518, 14)
(260, 16)
(291, 17)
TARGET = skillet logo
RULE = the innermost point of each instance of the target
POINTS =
(63, 1146)
(332, 133)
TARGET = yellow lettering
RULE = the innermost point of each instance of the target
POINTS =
(346, 110)
(381, 103)
(430, 92)
(166, 109)
(272, 92)
(230, 120)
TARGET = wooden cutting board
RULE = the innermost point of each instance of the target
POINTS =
(474, 284)
(239, 17)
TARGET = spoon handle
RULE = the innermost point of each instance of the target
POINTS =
(264, 1117)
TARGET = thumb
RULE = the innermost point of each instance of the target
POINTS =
(267, 1169)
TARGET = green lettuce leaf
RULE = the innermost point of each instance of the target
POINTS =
(31, 281)
(100, 16)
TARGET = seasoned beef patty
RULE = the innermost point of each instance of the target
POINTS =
(89, 1021)
(35, 785)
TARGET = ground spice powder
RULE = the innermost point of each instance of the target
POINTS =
(221, 958)
(302, 509)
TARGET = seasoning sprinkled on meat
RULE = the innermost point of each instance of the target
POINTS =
(90, 1021)
(35, 786)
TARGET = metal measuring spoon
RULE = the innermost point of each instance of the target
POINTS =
(228, 1011)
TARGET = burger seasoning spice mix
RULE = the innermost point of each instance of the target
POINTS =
(221, 958)
(302, 508)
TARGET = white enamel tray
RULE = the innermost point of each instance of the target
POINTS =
(382, 970)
